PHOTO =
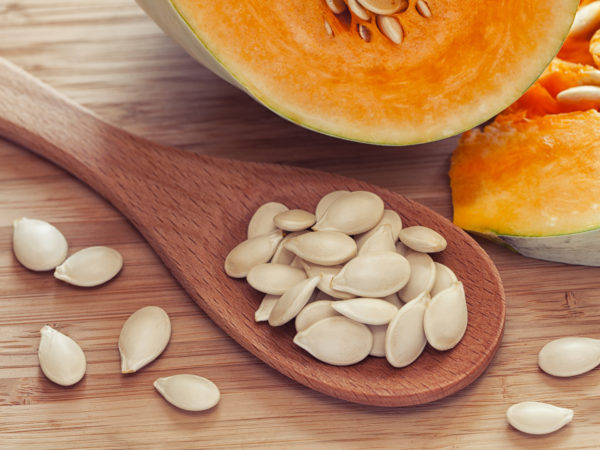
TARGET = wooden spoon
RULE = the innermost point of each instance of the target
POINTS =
(194, 209)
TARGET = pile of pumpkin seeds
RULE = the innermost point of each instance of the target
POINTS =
(355, 282)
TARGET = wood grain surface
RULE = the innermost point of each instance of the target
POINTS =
(109, 57)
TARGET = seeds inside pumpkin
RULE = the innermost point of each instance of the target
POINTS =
(385, 7)
(336, 6)
(423, 8)
(358, 10)
(391, 28)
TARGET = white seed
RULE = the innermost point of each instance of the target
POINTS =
(358, 10)
(384, 6)
(274, 279)
(587, 19)
(38, 245)
(250, 253)
(423, 8)
(538, 418)
(394, 300)
(579, 94)
(326, 201)
(336, 340)
(294, 220)
(188, 392)
(266, 306)
(61, 358)
(444, 278)
(364, 32)
(336, 6)
(390, 218)
(144, 336)
(292, 302)
(589, 75)
(91, 266)
(282, 255)
(391, 28)
(569, 356)
(422, 276)
(328, 28)
(297, 263)
(379, 242)
(378, 332)
(446, 318)
(422, 239)
(326, 248)
(402, 249)
(376, 275)
(313, 312)
(262, 221)
(326, 273)
(370, 311)
(405, 336)
(353, 213)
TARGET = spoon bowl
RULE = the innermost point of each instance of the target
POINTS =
(194, 209)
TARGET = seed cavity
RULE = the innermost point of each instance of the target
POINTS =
(144, 336)
(91, 266)
(262, 221)
(569, 356)
(446, 318)
(188, 392)
(61, 358)
(251, 252)
(38, 245)
(274, 279)
(538, 418)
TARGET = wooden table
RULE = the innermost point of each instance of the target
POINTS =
(109, 57)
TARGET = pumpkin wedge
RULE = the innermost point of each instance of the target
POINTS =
(389, 72)
(531, 178)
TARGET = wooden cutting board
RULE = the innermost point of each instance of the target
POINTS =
(109, 57)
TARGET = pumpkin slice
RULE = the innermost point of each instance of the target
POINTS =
(379, 71)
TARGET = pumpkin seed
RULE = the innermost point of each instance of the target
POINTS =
(274, 279)
(376, 275)
(394, 300)
(297, 263)
(590, 75)
(390, 218)
(292, 302)
(336, 6)
(251, 252)
(61, 358)
(188, 392)
(422, 276)
(144, 336)
(379, 242)
(446, 318)
(336, 340)
(444, 278)
(378, 332)
(402, 249)
(384, 6)
(370, 311)
(586, 20)
(294, 220)
(569, 356)
(537, 417)
(313, 312)
(282, 255)
(423, 8)
(328, 28)
(326, 273)
(390, 27)
(422, 239)
(364, 32)
(579, 94)
(326, 201)
(358, 10)
(262, 220)
(405, 336)
(266, 306)
(352, 213)
(38, 245)
(91, 266)
(326, 248)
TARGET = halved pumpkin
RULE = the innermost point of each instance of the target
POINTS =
(531, 178)
(379, 71)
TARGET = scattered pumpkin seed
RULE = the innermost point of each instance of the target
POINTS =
(266, 306)
(251, 252)
(538, 418)
(274, 279)
(569, 356)
(445, 320)
(422, 276)
(390, 27)
(422, 239)
(61, 358)
(262, 221)
(38, 245)
(353, 213)
(313, 312)
(294, 220)
(91, 266)
(144, 336)
(336, 340)
(326, 248)
(380, 242)
(188, 392)
(370, 311)
(292, 301)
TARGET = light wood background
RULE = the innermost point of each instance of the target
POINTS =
(109, 57)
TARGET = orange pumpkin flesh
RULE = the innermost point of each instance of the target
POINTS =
(452, 71)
